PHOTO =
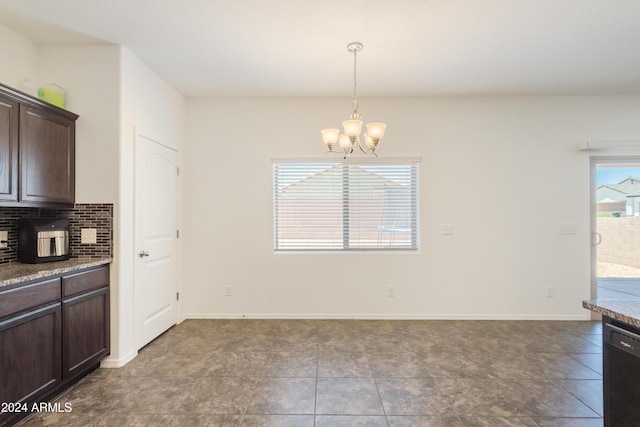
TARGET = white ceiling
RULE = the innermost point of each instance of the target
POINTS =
(412, 47)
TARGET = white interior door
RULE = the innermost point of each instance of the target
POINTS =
(156, 212)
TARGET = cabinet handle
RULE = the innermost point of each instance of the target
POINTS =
(143, 254)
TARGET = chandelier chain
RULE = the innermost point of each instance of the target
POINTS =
(354, 103)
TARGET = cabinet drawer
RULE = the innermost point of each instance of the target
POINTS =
(29, 296)
(85, 281)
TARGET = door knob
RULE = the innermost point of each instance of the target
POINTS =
(143, 254)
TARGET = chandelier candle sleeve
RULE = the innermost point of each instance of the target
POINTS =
(353, 127)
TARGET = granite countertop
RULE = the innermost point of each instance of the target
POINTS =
(17, 272)
(625, 311)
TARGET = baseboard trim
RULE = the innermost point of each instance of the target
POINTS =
(111, 362)
(318, 316)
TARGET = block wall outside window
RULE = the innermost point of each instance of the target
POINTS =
(364, 205)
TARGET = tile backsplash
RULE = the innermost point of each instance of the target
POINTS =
(83, 215)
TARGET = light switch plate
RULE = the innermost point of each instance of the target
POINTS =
(88, 236)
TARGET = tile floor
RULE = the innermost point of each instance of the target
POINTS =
(332, 373)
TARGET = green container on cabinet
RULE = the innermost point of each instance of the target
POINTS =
(53, 94)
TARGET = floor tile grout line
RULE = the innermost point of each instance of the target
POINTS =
(556, 382)
(315, 396)
(384, 411)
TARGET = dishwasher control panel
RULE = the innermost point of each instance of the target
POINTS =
(624, 340)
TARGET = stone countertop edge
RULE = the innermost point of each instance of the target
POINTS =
(624, 311)
(16, 272)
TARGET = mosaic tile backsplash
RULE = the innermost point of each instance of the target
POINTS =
(98, 216)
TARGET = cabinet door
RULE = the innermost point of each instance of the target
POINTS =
(86, 331)
(47, 157)
(8, 149)
(30, 356)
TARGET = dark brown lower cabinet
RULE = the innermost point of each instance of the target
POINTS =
(52, 332)
(30, 354)
(86, 333)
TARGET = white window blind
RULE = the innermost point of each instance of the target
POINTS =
(346, 205)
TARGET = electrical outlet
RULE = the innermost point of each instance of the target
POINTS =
(447, 229)
(227, 290)
(4, 235)
(391, 291)
(88, 236)
(549, 291)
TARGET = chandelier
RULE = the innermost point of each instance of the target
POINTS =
(352, 127)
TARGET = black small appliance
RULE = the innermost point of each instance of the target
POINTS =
(43, 240)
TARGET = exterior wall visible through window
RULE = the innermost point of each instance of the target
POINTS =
(346, 205)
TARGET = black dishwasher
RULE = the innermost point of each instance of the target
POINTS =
(621, 375)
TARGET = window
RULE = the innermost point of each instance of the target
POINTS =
(345, 205)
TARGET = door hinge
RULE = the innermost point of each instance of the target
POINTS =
(177, 296)
(178, 234)
(178, 171)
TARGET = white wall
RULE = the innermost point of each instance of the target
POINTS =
(152, 108)
(19, 66)
(505, 172)
(155, 108)
(90, 76)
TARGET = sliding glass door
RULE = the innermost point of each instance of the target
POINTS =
(616, 225)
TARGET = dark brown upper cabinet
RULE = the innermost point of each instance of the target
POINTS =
(37, 152)
(9, 122)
